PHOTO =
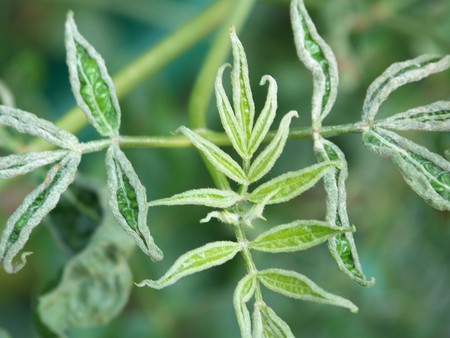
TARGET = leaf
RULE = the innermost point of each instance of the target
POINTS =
(218, 158)
(229, 121)
(242, 94)
(200, 259)
(318, 57)
(91, 84)
(270, 325)
(6, 99)
(95, 285)
(223, 216)
(294, 285)
(14, 165)
(342, 247)
(266, 117)
(432, 117)
(428, 174)
(128, 201)
(243, 293)
(295, 236)
(30, 124)
(266, 160)
(4, 333)
(33, 209)
(291, 184)
(214, 198)
(398, 75)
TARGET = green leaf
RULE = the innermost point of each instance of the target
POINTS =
(200, 259)
(243, 293)
(295, 236)
(128, 201)
(229, 121)
(95, 285)
(291, 184)
(28, 123)
(6, 98)
(223, 216)
(294, 285)
(268, 324)
(218, 158)
(398, 75)
(266, 160)
(318, 57)
(428, 174)
(91, 84)
(214, 198)
(432, 117)
(265, 119)
(14, 165)
(342, 247)
(242, 94)
(4, 333)
(33, 209)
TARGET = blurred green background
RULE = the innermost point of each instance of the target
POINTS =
(402, 241)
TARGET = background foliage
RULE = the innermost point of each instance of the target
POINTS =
(402, 241)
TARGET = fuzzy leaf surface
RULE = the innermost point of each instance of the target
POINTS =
(128, 201)
(398, 75)
(318, 57)
(297, 286)
(200, 259)
(209, 197)
(269, 324)
(295, 236)
(91, 84)
(428, 174)
(242, 294)
(33, 209)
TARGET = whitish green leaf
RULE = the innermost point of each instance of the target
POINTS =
(266, 117)
(243, 293)
(318, 57)
(4, 333)
(428, 174)
(202, 258)
(291, 184)
(266, 160)
(128, 201)
(242, 94)
(268, 324)
(398, 75)
(33, 209)
(432, 117)
(218, 158)
(214, 198)
(296, 236)
(223, 216)
(95, 285)
(30, 124)
(342, 247)
(13, 165)
(297, 286)
(6, 97)
(229, 121)
(256, 211)
(91, 84)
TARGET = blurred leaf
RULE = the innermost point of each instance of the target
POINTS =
(242, 294)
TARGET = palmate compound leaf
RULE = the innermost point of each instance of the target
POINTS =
(20, 164)
(267, 158)
(297, 286)
(128, 201)
(318, 57)
(296, 236)
(214, 198)
(428, 174)
(95, 284)
(398, 75)
(33, 209)
(91, 84)
(242, 294)
(291, 184)
(432, 117)
(342, 247)
(28, 123)
(216, 156)
(266, 323)
(200, 259)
